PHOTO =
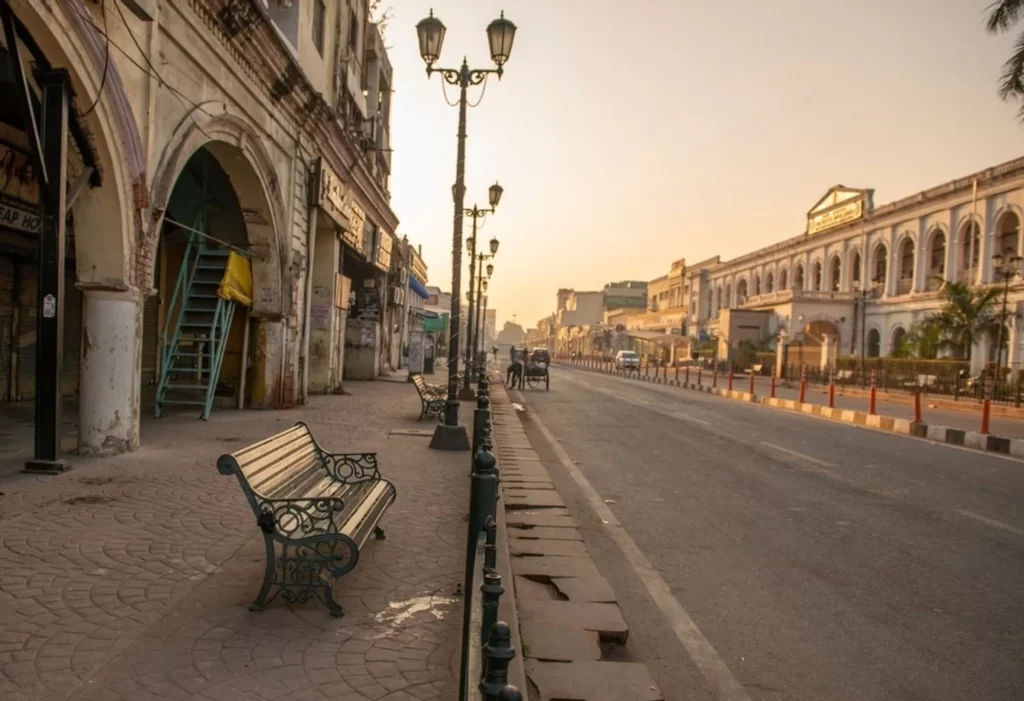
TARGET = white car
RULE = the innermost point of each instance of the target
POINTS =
(627, 359)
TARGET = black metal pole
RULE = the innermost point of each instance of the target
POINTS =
(479, 296)
(1002, 327)
(56, 88)
(483, 332)
(449, 435)
(467, 391)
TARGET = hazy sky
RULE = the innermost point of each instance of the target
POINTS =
(630, 134)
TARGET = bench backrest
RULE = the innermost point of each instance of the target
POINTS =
(287, 463)
(418, 380)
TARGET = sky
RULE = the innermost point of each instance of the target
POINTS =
(630, 134)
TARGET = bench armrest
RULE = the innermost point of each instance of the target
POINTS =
(297, 518)
(349, 468)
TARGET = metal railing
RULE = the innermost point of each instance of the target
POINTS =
(487, 649)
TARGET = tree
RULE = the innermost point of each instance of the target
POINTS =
(1003, 15)
(924, 340)
(967, 315)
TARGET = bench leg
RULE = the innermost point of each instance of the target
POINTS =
(333, 606)
(378, 533)
(268, 579)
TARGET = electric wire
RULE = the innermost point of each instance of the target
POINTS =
(106, 62)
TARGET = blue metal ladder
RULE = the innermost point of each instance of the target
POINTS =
(191, 357)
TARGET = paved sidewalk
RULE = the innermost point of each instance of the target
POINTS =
(130, 577)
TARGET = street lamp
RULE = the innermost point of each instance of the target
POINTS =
(482, 324)
(1007, 269)
(500, 36)
(479, 282)
(476, 212)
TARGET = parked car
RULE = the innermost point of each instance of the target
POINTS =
(627, 359)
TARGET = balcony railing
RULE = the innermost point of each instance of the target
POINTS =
(783, 296)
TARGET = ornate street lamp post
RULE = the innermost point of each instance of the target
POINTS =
(480, 289)
(500, 35)
(1007, 269)
(476, 213)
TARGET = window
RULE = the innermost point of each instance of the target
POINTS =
(318, 26)
(353, 31)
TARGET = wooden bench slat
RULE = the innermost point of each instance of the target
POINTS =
(267, 444)
(366, 507)
(274, 471)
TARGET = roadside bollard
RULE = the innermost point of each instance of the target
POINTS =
(490, 544)
(647, 368)
(986, 406)
(664, 374)
(686, 381)
(917, 405)
(730, 379)
(510, 693)
(677, 375)
(481, 415)
(873, 393)
(498, 655)
(700, 371)
(714, 377)
(803, 384)
(492, 591)
(831, 390)
(751, 382)
(772, 387)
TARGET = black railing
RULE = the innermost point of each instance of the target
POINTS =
(487, 649)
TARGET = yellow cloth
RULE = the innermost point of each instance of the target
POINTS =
(236, 285)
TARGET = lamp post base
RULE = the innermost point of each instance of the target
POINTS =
(452, 438)
(46, 467)
(467, 394)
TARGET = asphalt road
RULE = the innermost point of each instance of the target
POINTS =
(820, 561)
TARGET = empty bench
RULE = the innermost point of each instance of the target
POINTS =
(316, 510)
(432, 397)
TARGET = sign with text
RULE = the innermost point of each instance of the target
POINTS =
(17, 176)
(382, 256)
(353, 234)
(844, 213)
(330, 194)
(19, 216)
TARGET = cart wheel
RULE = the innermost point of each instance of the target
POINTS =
(532, 381)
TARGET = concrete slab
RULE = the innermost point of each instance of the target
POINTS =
(558, 518)
(529, 590)
(585, 589)
(592, 681)
(546, 532)
(530, 498)
(536, 546)
(514, 487)
(545, 642)
(555, 566)
(604, 619)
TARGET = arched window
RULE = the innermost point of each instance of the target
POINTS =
(970, 249)
(936, 259)
(741, 292)
(757, 284)
(899, 337)
(816, 279)
(855, 267)
(881, 265)
(769, 283)
(835, 275)
(783, 279)
(728, 295)
(1008, 234)
(906, 276)
(798, 278)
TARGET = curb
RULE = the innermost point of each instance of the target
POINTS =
(973, 440)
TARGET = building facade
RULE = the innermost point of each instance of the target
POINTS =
(201, 130)
(860, 277)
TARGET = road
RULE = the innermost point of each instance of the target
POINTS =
(818, 560)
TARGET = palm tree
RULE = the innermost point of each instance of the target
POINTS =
(968, 314)
(1003, 15)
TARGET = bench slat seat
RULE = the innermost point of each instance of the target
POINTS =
(316, 511)
(432, 397)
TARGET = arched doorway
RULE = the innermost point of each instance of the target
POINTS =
(897, 340)
(100, 307)
(970, 251)
(874, 344)
(817, 335)
(218, 199)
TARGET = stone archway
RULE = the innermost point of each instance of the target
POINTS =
(248, 167)
(106, 220)
(822, 341)
(240, 152)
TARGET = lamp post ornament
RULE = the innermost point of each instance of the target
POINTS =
(500, 36)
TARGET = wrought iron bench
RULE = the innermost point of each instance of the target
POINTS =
(432, 397)
(316, 510)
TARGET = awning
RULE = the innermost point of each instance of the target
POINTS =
(416, 287)
(658, 337)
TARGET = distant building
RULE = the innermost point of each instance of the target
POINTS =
(512, 334)
(628, 294)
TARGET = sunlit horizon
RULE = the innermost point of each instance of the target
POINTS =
(682, 130)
